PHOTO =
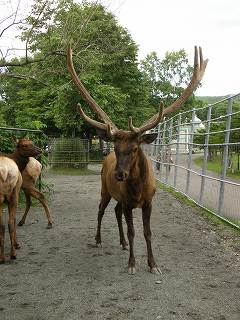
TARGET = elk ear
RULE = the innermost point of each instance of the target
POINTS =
(14, 139)
(103, 134)
(148, 137)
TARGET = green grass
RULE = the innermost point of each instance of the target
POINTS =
(71, 171)
(215, 165)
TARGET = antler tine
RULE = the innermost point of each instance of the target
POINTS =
(198, 73)
(148, 125)
(94, 123)
(84, 93)
(106, 127)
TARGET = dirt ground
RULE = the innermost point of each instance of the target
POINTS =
(60, 274)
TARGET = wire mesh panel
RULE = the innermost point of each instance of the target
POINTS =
(72, 152)
(197, 152)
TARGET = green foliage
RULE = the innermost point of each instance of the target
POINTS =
(167, 78)
(105, 56)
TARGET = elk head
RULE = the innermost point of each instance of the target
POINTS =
(26, 148)
(127, 142)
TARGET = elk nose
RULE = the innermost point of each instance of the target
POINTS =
(38, 150)
(120, 175)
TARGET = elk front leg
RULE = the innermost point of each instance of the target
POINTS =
(12, 207)
(146, 214)
(2, 233)
(130, 234)
(118, 212)
(102, 206)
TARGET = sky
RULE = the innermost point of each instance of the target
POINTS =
(170, 25)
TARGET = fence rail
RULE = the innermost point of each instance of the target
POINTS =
(197, 152)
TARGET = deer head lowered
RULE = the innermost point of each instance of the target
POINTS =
(127, 173)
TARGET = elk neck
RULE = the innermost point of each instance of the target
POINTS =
(137, 177)
(20, 160)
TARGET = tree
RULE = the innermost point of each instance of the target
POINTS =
(104, 55)
(167, 78)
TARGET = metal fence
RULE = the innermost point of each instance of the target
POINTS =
(72, 152)
(197, 153)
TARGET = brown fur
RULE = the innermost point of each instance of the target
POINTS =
(127, 176)
(31, 170)
(129, 165)
(10, 183)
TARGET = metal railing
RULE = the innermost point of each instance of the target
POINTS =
(201, 158)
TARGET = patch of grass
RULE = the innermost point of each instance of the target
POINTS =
(215, 165)
(71, 171)
(210, 216)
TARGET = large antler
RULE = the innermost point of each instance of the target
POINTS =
(198, 72)
(108, 124)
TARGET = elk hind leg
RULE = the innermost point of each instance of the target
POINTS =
(146, 214)
(12, 208)
(130, 234)
(35, 193)
(28, 205)
(118, 212)
(102, 206)
(2, 232)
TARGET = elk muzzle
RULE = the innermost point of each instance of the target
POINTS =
(120, 174)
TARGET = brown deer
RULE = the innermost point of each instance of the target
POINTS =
(10, 184)
(127, 173)
(30, 176)
(30, 169)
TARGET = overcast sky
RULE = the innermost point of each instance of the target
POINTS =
(168, 25)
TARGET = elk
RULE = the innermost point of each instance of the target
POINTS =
(127, 174)
(30, 176)
(30, 169)
(10, 184)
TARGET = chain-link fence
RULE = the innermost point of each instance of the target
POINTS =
(197, 152)
(73, 152)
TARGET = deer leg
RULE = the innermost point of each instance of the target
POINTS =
(12, 208)
(2, 233)
(102, 206)
(146, 214)
(130, 234)
(28, 205)
(118, 212)
(35, 193)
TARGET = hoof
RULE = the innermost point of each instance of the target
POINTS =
(125, 248)
(49, 226)
(17, 246)
(155, 270)
(13, 257)
(98, 245)
(131, 270)
(20, 223)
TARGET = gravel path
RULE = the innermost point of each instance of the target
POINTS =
(60, 274)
